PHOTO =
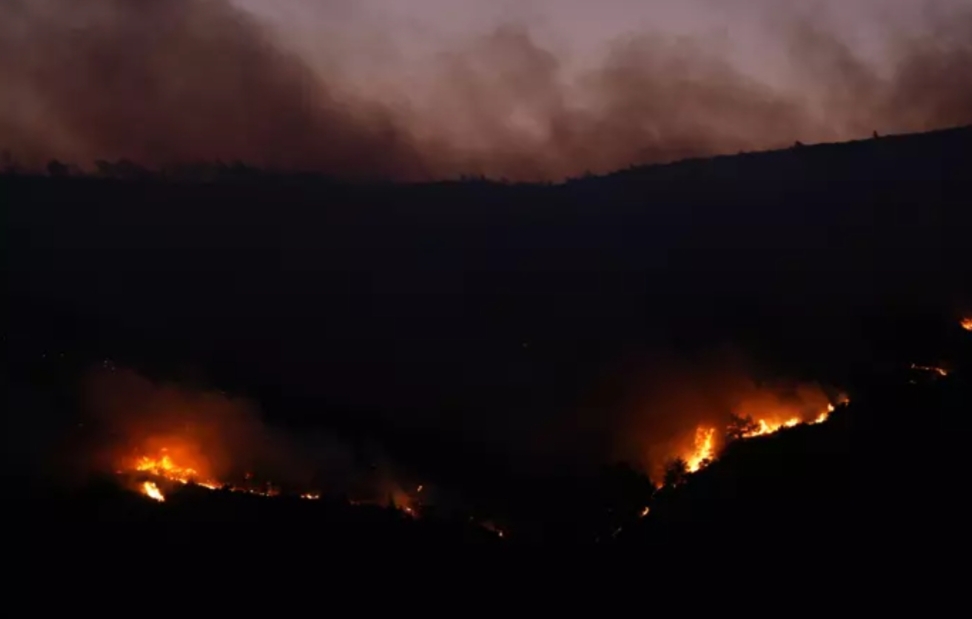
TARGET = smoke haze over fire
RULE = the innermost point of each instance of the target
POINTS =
(544, 91)
(189, 433)
(678, 399)
(207, 431)
(209, 437)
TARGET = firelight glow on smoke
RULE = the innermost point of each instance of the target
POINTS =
(161, 436)
(686, 407)
(551, 90)
(703, 451)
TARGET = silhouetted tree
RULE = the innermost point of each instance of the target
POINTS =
(56, 169)
(624, 491)
(675, 472)
(740, 427)
(128, 169)
(104, 168)
(240, 170)
(123, 168)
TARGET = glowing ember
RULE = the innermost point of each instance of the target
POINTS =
(929, 368)
(491, 527)
(966, 324)
(310, 496)
(152, 491)
(645, 512)
(703, 451)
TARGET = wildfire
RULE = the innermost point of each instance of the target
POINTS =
(703, 449)
(930, 368)
(767, 427)
(163, 466)
(967, 323)
(152, 491)
(824, 416)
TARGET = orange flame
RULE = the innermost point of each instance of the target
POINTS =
(165, 467)
(930, 368)
(769, 427)
(967, 323)
(703, 449)
(824, 416)
(152, 491)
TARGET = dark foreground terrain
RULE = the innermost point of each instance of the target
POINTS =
(454, 322)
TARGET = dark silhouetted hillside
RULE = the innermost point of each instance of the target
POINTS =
(477, 330)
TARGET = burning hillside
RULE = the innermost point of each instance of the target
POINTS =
(685, 410)
(158, 437)
(165, 469)
(161, 476)
(156, 475)
(166, 441)
(705, 446)
(165, 473)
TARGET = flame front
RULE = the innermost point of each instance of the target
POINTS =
(704, 446)
(703, 449)
(164, 466)
(824, 416)
(152, 491)
(769, 427)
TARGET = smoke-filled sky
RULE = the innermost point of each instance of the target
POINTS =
(438, 88)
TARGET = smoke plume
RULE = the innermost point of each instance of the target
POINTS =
(180, 81)
(221, 437)
(673, 396)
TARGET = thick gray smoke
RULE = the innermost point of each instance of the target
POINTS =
(191, 80)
